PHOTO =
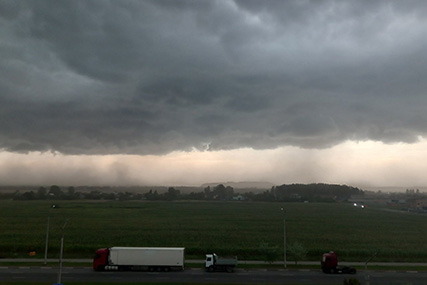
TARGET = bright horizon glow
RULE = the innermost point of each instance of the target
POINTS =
(361, 164)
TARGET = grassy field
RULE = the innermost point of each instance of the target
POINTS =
(227, 228)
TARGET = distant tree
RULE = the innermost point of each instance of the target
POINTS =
(269, 253)
(209, 194)
(297, 251)
(137, 196)
(172, 194)
(41, 193)
(194, 196)
(229, 192)
(150, 195)
(109, 196)
(94, 195)
(220, 192)
(55, 190)
(123, 196)
(314, 192)
(264, 196)
(71, 193)
(26, 196)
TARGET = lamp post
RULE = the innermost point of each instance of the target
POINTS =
(284, 238)
(367, 277)
(47, 234)
(60, 253)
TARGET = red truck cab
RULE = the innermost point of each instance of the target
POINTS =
(329, 262)
(330, 265)
(101, 259)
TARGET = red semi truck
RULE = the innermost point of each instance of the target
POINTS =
(139, 258)
(329, 264)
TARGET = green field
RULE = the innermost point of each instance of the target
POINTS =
(227, 228)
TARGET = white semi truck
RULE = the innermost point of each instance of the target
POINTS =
(139, 258)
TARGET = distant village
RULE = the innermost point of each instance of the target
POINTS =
(411, 200)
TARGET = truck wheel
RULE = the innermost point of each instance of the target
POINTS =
(229, 269)
(211, 269)
(151, 269)
(166, 269)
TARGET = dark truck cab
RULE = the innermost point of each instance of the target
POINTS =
(101, 259)
(329, 264)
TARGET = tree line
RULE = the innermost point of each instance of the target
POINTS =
(284, 193)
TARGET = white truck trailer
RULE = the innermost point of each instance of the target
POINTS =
(139, 258)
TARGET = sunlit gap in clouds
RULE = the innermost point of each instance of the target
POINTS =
(365, 163)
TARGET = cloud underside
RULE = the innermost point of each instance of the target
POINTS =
(152, 77)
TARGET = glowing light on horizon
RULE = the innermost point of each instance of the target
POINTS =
(353, 163)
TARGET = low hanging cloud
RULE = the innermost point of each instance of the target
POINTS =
(152, 77)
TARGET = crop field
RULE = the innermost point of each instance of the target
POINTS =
(227, 228)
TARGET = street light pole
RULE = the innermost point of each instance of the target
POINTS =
(60, 254)
(47, 234)
(284, 238)
(47, 240)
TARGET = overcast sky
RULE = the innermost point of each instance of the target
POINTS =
(187, 92)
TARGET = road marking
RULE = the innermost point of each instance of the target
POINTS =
(46, 268)
(23, 267)
(4, 267)
(411, 271)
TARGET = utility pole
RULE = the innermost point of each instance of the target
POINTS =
(60, 254)
(284, 237)
(367, 277)
(47, 234)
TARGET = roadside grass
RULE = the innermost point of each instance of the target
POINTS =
(227, 228)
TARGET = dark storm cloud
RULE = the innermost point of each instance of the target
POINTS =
(157, 76)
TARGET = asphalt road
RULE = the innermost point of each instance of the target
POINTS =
(199, 261)
(242, 276)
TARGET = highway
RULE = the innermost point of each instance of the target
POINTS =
(197, 275)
